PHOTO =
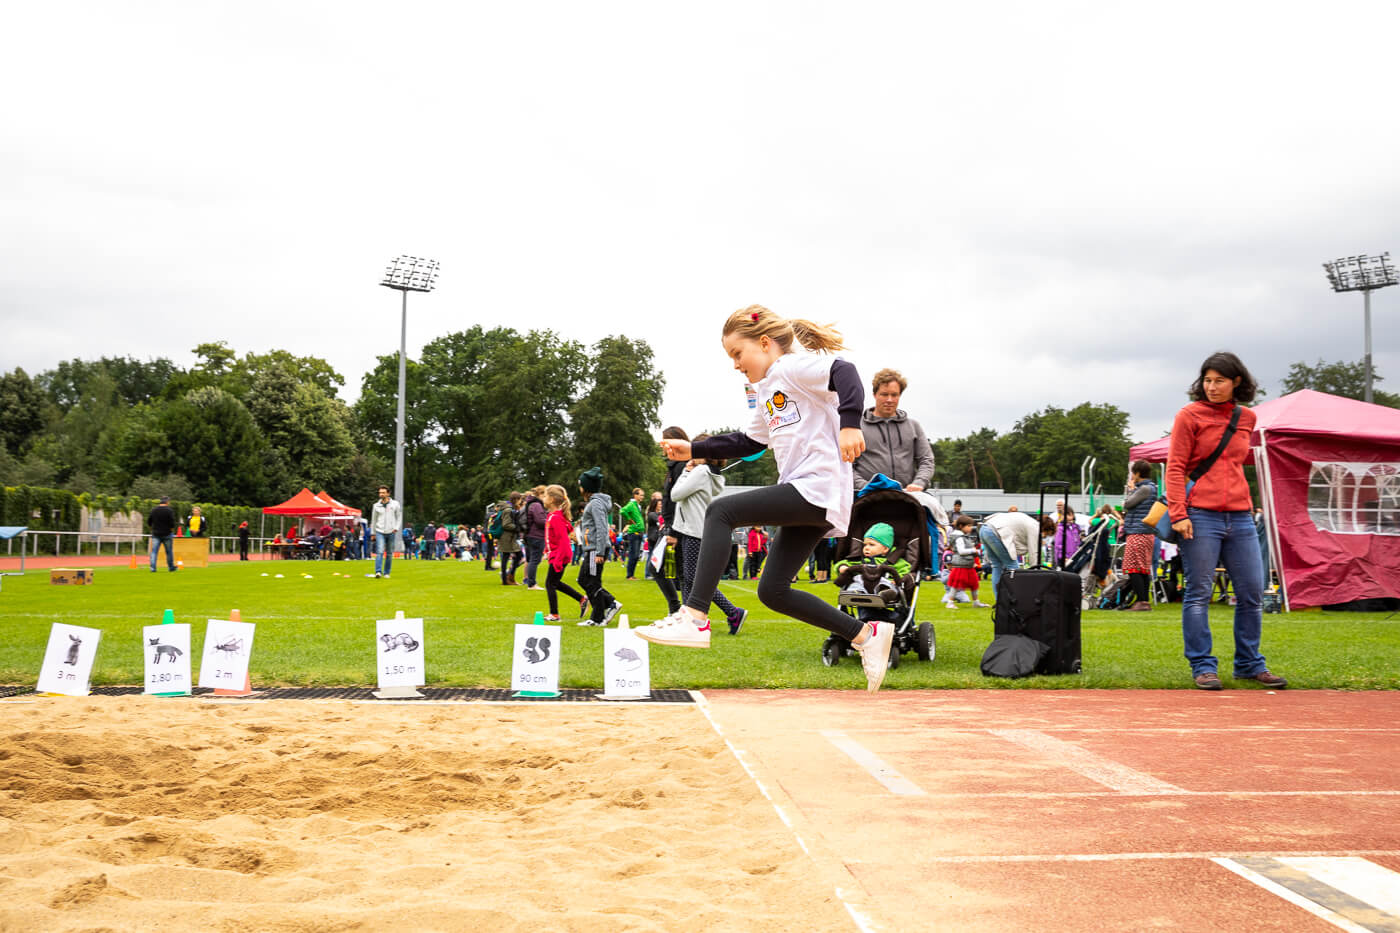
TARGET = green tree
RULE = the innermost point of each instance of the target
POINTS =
(615, 422)
(135, 381)
(1052, 444)
(499, 401)
(1337, 378)
(968, 462)
(308, 428)
(22, 407)
(208, 437)
(244, 374)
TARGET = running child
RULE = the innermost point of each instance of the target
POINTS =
(809, 414)
(558, 549)
(962, 564)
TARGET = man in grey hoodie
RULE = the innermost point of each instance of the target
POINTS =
(595, 546)
(895, 444)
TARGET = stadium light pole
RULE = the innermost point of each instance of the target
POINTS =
(406, 274)
(1362, 274)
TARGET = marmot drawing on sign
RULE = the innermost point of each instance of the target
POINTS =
(401, 640)
(629, 658)
(536, 656)
(164, 650)
(73, 650)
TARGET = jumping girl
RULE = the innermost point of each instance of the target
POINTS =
(558, 549)
(809, 414)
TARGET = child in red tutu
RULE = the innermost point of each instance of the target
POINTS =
(962, 572)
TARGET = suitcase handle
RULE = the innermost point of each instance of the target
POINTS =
(1040, 539)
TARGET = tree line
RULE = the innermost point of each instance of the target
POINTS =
(487, 411)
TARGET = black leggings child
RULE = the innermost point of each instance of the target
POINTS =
(554, 584)
(590, 577)
(801, 526)
(689, 557)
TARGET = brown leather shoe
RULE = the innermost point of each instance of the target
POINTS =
(1267, 679)
(1140, 606)
(1208, 680)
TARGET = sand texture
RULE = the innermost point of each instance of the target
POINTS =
(174, 814)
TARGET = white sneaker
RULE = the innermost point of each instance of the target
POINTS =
(981, 605)
(676, 629)
(875, 654)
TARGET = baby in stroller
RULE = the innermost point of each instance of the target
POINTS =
(878, 573)
(885, 544)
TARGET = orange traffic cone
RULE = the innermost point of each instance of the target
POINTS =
(247, 690)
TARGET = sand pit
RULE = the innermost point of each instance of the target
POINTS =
(141, 813)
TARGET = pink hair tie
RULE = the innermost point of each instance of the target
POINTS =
(753, 315)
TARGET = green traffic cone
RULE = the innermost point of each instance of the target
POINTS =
(169, 619)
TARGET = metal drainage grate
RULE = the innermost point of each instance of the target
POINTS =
(457, 694)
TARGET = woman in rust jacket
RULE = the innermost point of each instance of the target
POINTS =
(1215, 519)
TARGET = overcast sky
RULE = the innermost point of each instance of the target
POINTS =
(1018, 205)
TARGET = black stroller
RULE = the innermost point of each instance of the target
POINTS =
(905, 515)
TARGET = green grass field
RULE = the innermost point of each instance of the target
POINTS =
(321, 631)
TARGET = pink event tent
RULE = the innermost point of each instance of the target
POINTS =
(1329, 473)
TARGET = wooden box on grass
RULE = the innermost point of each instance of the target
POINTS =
(71, 575)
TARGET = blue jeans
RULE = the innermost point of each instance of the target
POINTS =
(534, 553)
(169, 542)
(634, 553)
(1229, 540)
(994, 553)
(384, 551)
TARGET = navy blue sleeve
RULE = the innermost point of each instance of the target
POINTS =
(725, 447)
(850, 393)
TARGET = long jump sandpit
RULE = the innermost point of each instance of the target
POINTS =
(136, 813)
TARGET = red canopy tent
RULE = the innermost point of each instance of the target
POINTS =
(1329, 473)
(303, 503)
(338, 508)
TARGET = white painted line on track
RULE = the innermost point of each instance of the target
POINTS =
(1293, 897)
(1362, 879)
(1109, 773)
(853, 905)
(878, 769)
(1146, 856)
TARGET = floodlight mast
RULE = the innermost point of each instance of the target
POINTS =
(406, 274)
(1362, 274)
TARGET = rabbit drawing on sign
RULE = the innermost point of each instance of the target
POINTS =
(73, 650)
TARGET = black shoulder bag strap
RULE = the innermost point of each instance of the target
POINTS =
(1204, 466)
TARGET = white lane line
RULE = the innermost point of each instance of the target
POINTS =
(1140, 856)
(1094, 767)
(852, 902)
(1292, 897)
(879, 770)
(1364, 880)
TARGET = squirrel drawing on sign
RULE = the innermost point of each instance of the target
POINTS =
(73, 650)
(536, 656)
(164, 651)
(402, 640)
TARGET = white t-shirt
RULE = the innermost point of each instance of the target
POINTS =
(796, 418)
(1017, 530)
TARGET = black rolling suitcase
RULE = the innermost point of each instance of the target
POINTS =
(1043, 604)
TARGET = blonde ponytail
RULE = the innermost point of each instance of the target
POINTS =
(756, 321)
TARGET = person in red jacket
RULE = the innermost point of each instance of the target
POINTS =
(1215, 519)
(558, 549)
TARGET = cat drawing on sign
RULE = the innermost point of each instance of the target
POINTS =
(231, 647)
(169, 651)
(401, 640)
(533, 654)
(73, 650)
(629, 658)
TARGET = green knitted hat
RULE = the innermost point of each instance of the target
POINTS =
(882, 533)
(591, 480)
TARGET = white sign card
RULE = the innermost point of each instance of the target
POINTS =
(399, 652)
(626, 664)
(68, 660)
(227, 647)
(536, 667)
(167, 650)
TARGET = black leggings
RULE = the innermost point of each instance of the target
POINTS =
(800, 526)
(590, 577)
(689, 557)
(554, 584)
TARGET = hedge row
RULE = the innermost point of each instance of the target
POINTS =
(60, 510)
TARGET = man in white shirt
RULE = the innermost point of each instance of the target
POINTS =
(385, 521)
(1009, 537)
